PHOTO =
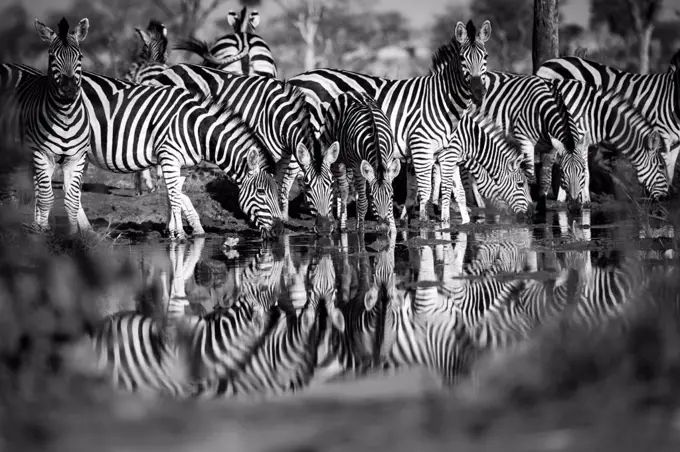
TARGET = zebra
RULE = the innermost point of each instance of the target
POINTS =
(423, 111)
(655, 96)
(370, 320)
(366, 142)
(157, 121)
(240, 52)
(608, 117)
(53, 121)
(132, 350)
(279, 114)
(479, 145)
(220, 343)
(287, 357)
(151, 61)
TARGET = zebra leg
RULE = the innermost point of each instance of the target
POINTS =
(340, 175)
(291, 170)
(143, 177)
(189, 212)
(361, 200)
(476, 196)
(73, 174)
(42, 186)
(173, 181)
(436, 183)
(422, 163)
(459, 193)
(527, 148)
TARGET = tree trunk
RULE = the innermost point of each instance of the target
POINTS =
(645, 41)
(545, 37)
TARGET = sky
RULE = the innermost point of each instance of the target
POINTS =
(420, 12)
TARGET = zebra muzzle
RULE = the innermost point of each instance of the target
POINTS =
(477, 89)
(323, 225)
(278, 228)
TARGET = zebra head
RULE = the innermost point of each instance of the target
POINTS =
(155, 39)
(258, 198)
(381, 192)
(473, 56)
(574, 168)
(655, 180)
(318, 183)
(64, 69)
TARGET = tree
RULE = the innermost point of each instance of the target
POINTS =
(546, 32)
(629, 19)
(18, 45)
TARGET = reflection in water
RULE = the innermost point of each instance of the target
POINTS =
(285, 314)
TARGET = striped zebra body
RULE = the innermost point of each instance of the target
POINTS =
(607, 117)
(279, 114)
(655, 96)
(479, 146)
(137, 126)
(131, 348)
(525, 107)
(366, 142)
(219, 344)
(423, 111)
(370, 318)
(427, 335)
(241, 52)
(53, 122)
(287, 357)
(151, 61)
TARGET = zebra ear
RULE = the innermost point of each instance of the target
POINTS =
(80, 31)
(557, 145)
(654, 141)
(302, 155)
(253, 160)
(394, 169)
(371, 298)
(143, 35)
(337, 319)
(332, 153)
(461, 32)
(232, 17)
(45, 32)
(485, 32)
(367, 171)
(254, 19)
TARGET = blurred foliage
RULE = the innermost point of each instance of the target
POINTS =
(348, 34)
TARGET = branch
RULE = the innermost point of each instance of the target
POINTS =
(162, 6)
(213, 6)
(635, 15)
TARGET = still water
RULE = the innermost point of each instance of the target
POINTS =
(304, 314)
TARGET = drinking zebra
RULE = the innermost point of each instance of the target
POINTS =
(423, 111)
(366, 142)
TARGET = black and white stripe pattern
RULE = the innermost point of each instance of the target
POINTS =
(423, 111)
(655, 96)
(53, 122)
(240, 52)
(137, 126)
(279, 114)
(606, 117)
(151, 61)
(366, 142)
(497, 166)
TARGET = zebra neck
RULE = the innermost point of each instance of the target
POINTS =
(64, 110)
(449, 81)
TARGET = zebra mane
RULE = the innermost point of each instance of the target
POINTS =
(563, 113)
(297, 99)
(445, 55)
(220, 108)
(63, 30)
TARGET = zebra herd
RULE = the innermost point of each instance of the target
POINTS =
(459, 123)
(307, 315)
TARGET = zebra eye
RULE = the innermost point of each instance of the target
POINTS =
(260, 191)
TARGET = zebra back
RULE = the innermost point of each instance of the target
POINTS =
(240, 52)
